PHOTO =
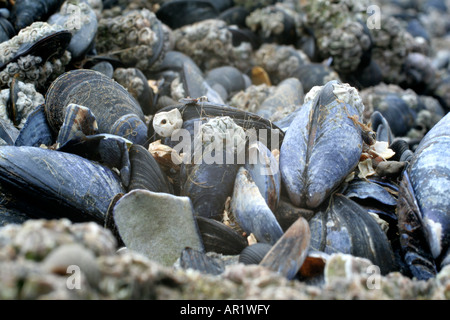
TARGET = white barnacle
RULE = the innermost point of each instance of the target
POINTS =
(165, 123)
(220, 129)
(350, 95)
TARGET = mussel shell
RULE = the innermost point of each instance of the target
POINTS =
(322, 146)
(255, 253)
(178, 13)
(265, 173)
(6, 30)
(52, 45)
(381, 126)
(84, 37)
(346, 227)
(247, 120)
(251, 211)
(36, 130)
(57, 183)
(106, 99)
(8, 132)
(208, 185)
(25, 12)
(288, 92)
(220, 238)
(198, 260)
(413, 236)
(287, 255)
(227, 80)
(313, 74)
(362, 189)
(78, 122)
(146, 172)
(397, 113)
(106, 149)
(429, 172)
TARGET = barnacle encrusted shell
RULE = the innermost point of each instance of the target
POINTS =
(136, 38)
(221, 131)
(270, 21)
(130, 80)
(30, 68)
(28, 35)
(391, 45)
(343, 92)
(28, 99)
(251, 99)
(338, 32)
(279, 60)
(209, 44)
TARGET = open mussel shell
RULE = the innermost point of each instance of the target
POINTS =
(251, 211)
(106, 149)
(429, 176)
(146, 172)
(364, 189)
(52, 45)
(344, 226)
(116, 111)
(381, 126)
(78, 122)
(321, 147)
(58, 184)
(264, 170)
(220, 238)
(398, 114)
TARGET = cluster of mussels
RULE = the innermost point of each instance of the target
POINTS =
(337, 113)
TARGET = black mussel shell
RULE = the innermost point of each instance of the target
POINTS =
(255, 253)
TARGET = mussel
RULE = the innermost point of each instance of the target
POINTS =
(115, 110)
(322, 146)
(57, 184)
(424, 206)
(344, 226)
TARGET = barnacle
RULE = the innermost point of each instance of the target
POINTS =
(27, 99)
(209, 44)
(391, 46)
(279, 60)
(137, 38)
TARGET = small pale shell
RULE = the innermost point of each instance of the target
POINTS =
(382, 149)
(165, 123)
